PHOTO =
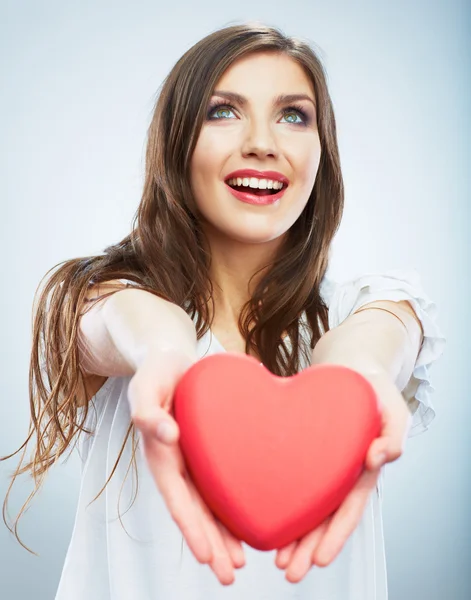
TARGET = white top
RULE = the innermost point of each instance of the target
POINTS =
(149, 560)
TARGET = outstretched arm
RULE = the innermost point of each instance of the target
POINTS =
(384, 348)
(375, 341)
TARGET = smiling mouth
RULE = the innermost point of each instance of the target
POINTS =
(256, 191)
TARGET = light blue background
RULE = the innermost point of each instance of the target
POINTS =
(78, 85)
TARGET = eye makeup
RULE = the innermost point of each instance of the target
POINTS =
(293, 108)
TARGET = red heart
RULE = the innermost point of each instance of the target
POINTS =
(272, 456)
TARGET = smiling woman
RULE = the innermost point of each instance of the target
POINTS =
(242, 197)
(270, 123)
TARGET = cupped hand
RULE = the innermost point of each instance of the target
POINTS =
(322, 545)
(150, 395)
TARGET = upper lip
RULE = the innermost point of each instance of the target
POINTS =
(274, 175)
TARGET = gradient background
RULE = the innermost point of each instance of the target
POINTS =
(78, 86)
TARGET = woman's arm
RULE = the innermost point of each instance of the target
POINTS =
(120, 331)
(134, 332)
(373, 341)
(384, 349)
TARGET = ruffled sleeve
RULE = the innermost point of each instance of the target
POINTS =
(397, 284)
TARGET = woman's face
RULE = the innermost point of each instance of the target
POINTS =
(261, 131)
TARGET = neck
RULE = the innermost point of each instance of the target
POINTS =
(236, 268)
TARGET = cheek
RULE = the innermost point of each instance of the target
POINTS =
(304, 153)
(200, 162)
(309, 165)
(210, 152)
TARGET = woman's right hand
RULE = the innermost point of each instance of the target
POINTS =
(150, 395)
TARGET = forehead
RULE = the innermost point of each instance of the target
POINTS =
(273, 72)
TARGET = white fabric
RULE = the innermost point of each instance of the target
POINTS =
(148, 560)
(397, 285)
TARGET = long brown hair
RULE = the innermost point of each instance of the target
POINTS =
(165, 254)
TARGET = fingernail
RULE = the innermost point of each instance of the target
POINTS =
(165, 432)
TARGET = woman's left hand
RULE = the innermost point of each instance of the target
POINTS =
(322, 545)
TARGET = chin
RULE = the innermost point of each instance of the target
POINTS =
(245, 229)
(254, 235)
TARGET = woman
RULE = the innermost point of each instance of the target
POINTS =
(243, 195)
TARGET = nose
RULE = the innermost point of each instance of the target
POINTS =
(259, 141)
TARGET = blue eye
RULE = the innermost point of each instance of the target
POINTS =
(295, 113)
(299, 112)
(219, 108)
(225, 109)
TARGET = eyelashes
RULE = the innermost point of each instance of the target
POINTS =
(294, 108)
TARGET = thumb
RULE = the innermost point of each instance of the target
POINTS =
(159, 425)
(167, 430)
(389, 446)
(152, 419)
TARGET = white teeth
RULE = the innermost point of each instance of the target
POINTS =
(254, 182)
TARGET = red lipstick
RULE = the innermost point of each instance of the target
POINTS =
(275, 175)
(252, 198)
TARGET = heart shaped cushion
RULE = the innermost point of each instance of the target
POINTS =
(272, 456)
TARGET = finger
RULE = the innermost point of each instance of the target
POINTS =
(233, 545)
(283, 556)
(177, 498)
(158, 424)
(377, 454)
(221, 562)
(154, 421)
(150, 412)
(396, 422)
(345, 519)
(301, 560)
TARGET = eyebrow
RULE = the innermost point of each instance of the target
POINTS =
(281, 99)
